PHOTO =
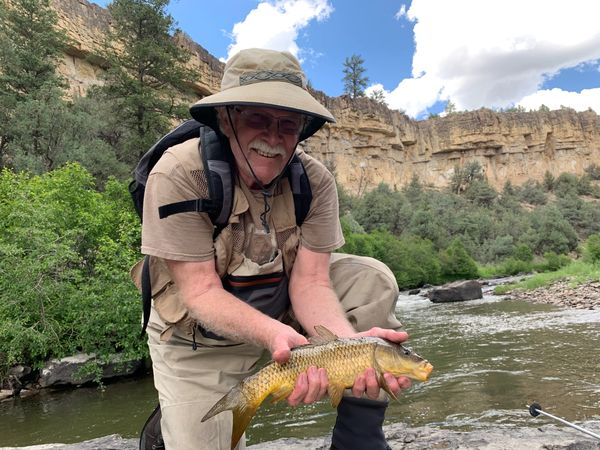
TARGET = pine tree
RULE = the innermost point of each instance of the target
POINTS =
(147, 74)
(354, 79)
(378, 95)
(30, 47)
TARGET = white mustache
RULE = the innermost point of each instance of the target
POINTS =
(265, 148)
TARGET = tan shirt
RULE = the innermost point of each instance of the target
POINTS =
(179, 176)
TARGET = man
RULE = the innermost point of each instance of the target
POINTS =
(263, 282)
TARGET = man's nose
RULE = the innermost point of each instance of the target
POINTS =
(273, 136)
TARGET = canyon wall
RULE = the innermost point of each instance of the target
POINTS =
(370, 143)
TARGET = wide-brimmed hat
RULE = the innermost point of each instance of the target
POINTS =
(260, 77)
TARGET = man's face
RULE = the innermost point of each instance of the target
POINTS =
(267, 138)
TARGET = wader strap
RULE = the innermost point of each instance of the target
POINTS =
(146, 292)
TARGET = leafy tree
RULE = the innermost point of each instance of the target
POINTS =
(593, 170)
(481, 193)
(378, 95)
(146, 74)
(450, 108)
(533, 193)
(65, 252)
(592, 248)
(566, 184)
(354, 79)
(463, 177)
(457, 263)
(549, 181)
(381, 209)
(550, 231)
(30, 46)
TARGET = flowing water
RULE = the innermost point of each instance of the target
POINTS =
(491, 357)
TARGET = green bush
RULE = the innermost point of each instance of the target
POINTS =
(65, 253)
(457, 263)
(552, 262)
(592, 248)
(523, 253)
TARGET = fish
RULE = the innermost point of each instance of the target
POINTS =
(343, 358)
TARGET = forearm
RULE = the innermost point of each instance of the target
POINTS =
(315, 303)
(225, 315)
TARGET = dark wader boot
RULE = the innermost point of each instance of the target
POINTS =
(358, 425)
(151, 436)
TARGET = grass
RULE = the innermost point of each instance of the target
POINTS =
(577, 272)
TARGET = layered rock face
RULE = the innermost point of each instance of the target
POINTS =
(369, 143)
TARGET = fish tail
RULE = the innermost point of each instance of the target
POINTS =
(242, 410)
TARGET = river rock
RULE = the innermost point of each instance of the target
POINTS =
(66, 371)
(456, 291)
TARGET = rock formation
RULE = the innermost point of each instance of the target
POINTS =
(371, 143)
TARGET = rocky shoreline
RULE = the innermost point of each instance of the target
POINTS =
(401, 437)
(560, 293)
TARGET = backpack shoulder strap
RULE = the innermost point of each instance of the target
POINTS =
(187, 130)
(219, 176)
(300, 189)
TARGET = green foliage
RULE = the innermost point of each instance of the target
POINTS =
(378, 95)
(463, 177)
(592, 249)
(523, 253)
(549, 181)
(381, 209)
(65, 253)
(480, 193)
(457, 263)
(146, 74)
(552, 262)
(593, 170)
(550, 231)
(533, 193)
(354, 79)
(412, 260)
(566, 184)
(508, 267)
(450, 108)
(30, 46)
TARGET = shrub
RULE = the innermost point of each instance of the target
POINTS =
(457, 263)
(65, 253)
(552, 262)
(592, 248)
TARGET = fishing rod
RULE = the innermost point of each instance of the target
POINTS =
(535, 410)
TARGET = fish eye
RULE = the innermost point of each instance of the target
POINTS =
(406, 350)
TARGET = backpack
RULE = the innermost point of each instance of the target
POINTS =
(218, 167)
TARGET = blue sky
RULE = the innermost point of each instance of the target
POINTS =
(421, 53)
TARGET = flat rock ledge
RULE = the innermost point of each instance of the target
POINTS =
(400, 437)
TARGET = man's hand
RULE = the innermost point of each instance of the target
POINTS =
(366, 382)
(311, 386)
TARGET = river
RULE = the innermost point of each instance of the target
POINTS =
(491, 357)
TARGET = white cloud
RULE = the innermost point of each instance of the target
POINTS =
(495, 53)
(401, 12)
(556, 98)
(275, 24)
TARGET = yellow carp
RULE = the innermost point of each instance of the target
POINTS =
(343, 359)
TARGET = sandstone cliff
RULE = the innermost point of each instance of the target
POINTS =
(370, 143)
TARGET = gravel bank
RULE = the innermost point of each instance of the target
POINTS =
(584, 296)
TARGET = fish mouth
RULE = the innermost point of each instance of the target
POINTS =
(422, 372)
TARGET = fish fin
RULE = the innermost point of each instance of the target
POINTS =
(281, 393)
(336, 392)
(385, 386)
(242, 412)
(323, 334)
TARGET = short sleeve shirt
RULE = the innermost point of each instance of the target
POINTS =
(179, 176)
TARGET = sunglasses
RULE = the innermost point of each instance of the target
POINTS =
(288, 125)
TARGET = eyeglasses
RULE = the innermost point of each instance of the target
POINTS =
(288, 125)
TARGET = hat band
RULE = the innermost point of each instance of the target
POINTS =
(268, 75)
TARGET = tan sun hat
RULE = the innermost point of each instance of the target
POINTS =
(262, 77)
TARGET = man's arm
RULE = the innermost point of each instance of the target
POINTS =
(313, 299)
(315, 303)
(224, 314)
